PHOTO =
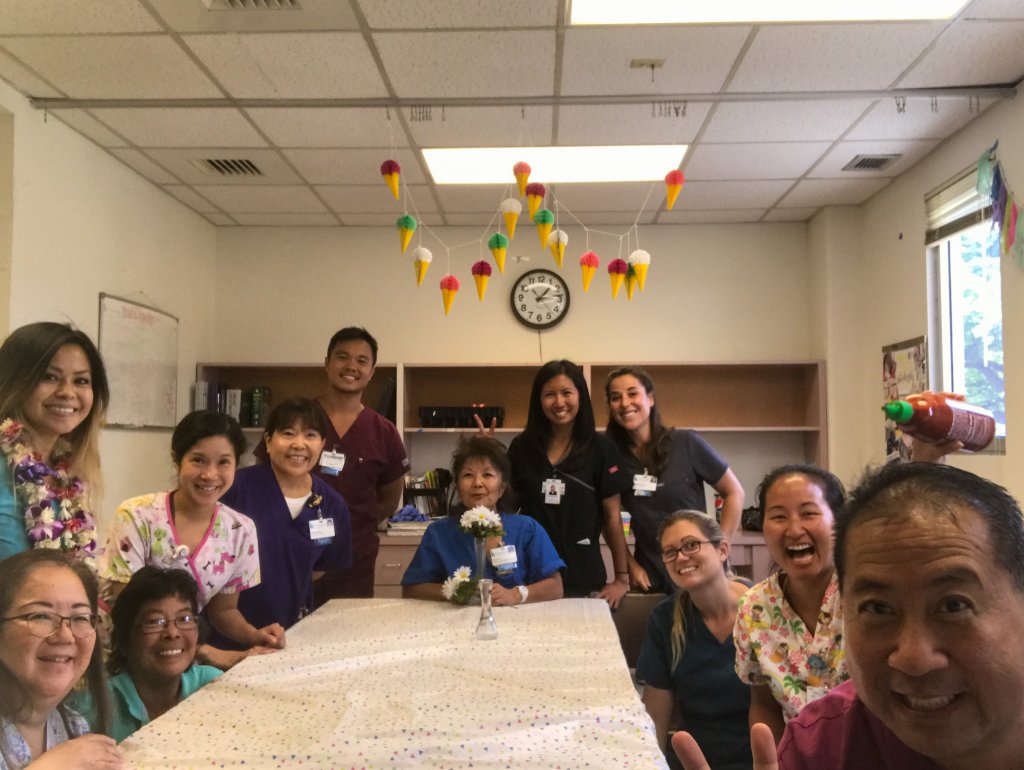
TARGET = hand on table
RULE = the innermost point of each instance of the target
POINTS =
(89, 752)
(225, 659)
(614, 592)
(762, 745)
(485, 431)
(504, 597)
(269, 636)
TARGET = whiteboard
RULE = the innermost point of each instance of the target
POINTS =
(139, 345)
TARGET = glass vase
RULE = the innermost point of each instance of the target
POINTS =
(481, 557)
(486, 629)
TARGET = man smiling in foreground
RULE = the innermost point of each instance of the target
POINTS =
(931, 570)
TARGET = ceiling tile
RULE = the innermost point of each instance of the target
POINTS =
(629, 124)
(732, 195)
(624, 196)
(221, 220)
(994, 9)
(351, 166)
(483, 127)
(697, 59)
(832, 192)
(136, 160)
(387, 220)
(791, 215)
(619, 219)
(88, 126)
(315, 65)
(54, 17)
(115, 67)
(917, 121)
(182, 163)
(954, 60)
(189, 197)
(23, 79)
(181, 126)
(479, 197)
(454, 14)
(314, 15)
(831, 165)
(287, 220)
(690, 217)
(465, 64)
(328, 126)
(783, 121)
(376, 198)
(831, 57)
(262, 200)
(768, 160)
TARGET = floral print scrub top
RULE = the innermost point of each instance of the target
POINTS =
(773, 646)
(227, 559)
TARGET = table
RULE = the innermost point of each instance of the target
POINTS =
(385, 684)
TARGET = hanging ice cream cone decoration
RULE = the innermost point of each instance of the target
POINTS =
(421, 258)
(481, 274)
(557, 242)
(589, 263)
(449, 288)
(392, 173)
(535, 193)
(674, 181)
(498, 244)
(639, 261)
(510, 210)
(617, 270)
(544, 219)
(406, 227)
(522, 171)
(631, 282)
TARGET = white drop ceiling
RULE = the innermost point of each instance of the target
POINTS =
(317, 97)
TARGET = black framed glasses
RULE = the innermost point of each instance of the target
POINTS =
(157, 625)
(690, 547)
(46, 624)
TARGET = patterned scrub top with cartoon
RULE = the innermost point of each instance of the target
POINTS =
(773, 646)
(227, 559)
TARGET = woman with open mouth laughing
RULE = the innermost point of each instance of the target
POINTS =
(789, 632)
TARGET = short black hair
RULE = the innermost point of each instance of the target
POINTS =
(304, 411)
(353, 333)
(475, 447)
(899, 488)
(149, 583)
(829, 484)
(196, 426)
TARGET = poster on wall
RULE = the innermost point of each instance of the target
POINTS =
(139, 345)
(904, 371)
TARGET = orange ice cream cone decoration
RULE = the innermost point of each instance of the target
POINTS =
(421, 259)
(535, 193)
(589, 263)
(544, 220)
(674, 180)
(481, 274)
(631, 282)
(617, 270)
(498, 244)
(406, 227)
(392, 173)
(449, 288)
(522, 171)
(557, 242)
(510, 210)
(639, 261)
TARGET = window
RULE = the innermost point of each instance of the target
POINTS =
(966, 324)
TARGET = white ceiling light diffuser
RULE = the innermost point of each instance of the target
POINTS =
(758, 11)
(493, 165)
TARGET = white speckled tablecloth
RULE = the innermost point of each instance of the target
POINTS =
(376, 684)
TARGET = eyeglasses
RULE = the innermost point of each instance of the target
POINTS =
(690, 547)
(157, 625)
(46, 624)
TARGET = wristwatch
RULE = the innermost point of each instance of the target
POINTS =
(524, 593)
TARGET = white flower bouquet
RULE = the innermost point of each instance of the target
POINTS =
(481, 522)
(460, 587)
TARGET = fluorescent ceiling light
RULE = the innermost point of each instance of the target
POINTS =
(493, 165)
(738, 11)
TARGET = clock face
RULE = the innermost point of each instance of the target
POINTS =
(540, 299)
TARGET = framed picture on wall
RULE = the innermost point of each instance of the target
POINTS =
(904, 371)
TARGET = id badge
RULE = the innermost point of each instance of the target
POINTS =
(553, 490)
(644, 485)
(504, 559)
(332, 462)
(321, 531)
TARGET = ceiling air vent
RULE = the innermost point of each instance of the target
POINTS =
(871, 162)
(252, 5)
(227, 166)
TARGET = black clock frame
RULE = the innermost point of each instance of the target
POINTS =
(533, 324)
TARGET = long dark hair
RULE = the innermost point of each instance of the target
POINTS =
(654, 455)
(14, 571)
(537, 433)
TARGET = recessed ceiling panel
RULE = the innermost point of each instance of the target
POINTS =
(181, 126)
(627, 196)
(328, 126)
(352, 166)
(190, 166)
(995, 9)
(481, 198)
(768, 160)
(910, 152)
(599, 242)
(386, 220)
(193, 16)
(347, 199)
(482, 126)
(266, 199)
(739, 195)
(454, 14)
(55, 17)
(631, 123)
(918, 119)
(136, 160)
(787, 121)
(690, 217)
(832, 192)
(955, 61)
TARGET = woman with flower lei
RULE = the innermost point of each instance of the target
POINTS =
(53, 396)
(519, 555)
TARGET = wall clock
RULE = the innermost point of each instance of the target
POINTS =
(540, 299)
